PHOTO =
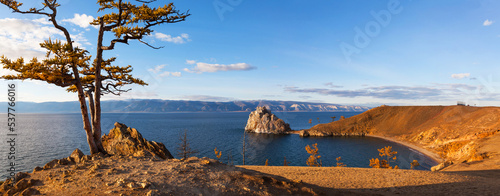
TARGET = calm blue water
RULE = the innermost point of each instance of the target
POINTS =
(43, 138)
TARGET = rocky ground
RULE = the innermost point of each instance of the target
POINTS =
(151, 175)
(128, 175)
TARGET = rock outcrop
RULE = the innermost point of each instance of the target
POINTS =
(123, 140)
(263, 121)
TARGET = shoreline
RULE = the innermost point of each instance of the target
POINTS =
(422, 150)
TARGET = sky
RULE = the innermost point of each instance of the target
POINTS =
(352, 52)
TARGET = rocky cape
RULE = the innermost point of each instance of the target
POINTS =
(464, 135)
(263, 121)
(135, 166)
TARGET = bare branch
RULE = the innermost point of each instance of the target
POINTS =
(147, 44)
(145, 1)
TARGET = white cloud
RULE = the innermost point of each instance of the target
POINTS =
(168, 74)
(190, 62)
(207, 98)
(487, 22)
(81, 20)
(44, 21)
(22, 38)
(80, 40)
(206, 67)
(157, 68)
(183, 38)
(460, 75)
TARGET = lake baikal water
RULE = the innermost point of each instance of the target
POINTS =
(44, 137)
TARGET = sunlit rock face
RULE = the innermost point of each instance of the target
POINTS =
(123, 140)
(263, 121)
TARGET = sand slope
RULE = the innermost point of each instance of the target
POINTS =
(389, 182)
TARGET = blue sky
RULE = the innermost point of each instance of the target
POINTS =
(346, 52)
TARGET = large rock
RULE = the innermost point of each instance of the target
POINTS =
(442, 166)
(263, 121)
(123, 140)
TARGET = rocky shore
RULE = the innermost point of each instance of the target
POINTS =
(459, 137)
(135, 166)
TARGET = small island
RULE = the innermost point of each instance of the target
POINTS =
(263, 121)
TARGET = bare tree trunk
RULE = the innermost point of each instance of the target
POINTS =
(91, 105)
(244, 147)
(97, 90)
(78, 84)
(85, 114)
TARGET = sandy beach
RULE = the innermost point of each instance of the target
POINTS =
(422, 150)
(385, 181)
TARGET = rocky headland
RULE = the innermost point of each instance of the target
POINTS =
(463, 137)
(135, 166)
(263, 121)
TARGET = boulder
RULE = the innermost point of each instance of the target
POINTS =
(442, 166)
(263, 121)
(123, 140)
(76, 155)
(304, 133)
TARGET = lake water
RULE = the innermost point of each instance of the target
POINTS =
(44, 137)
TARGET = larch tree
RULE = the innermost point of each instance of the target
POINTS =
(68, 66)
(128, 22)
(61, 65)
(184, 149)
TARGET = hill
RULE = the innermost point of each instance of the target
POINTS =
(459, 134)
(158, 105)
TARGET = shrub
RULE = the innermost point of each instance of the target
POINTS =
(339, 163)
(384, 163)
(414, 164)
(314, 157)
(267, 162)
(218, 153)
(285, 163)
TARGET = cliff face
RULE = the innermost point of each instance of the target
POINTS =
(456, 133)
(263, 121)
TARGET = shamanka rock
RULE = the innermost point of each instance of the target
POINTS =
(263, 121)
(123, 140)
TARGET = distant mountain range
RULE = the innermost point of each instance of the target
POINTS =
(157, 105)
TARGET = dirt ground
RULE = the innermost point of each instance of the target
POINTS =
(390, 182)
(124, 175)
(127, 175)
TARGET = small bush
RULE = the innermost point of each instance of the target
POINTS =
(267, 162)
(339, 163)
(314, 157)
(414, 164)
(218, 153)
(384, 163)
(285, 163)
